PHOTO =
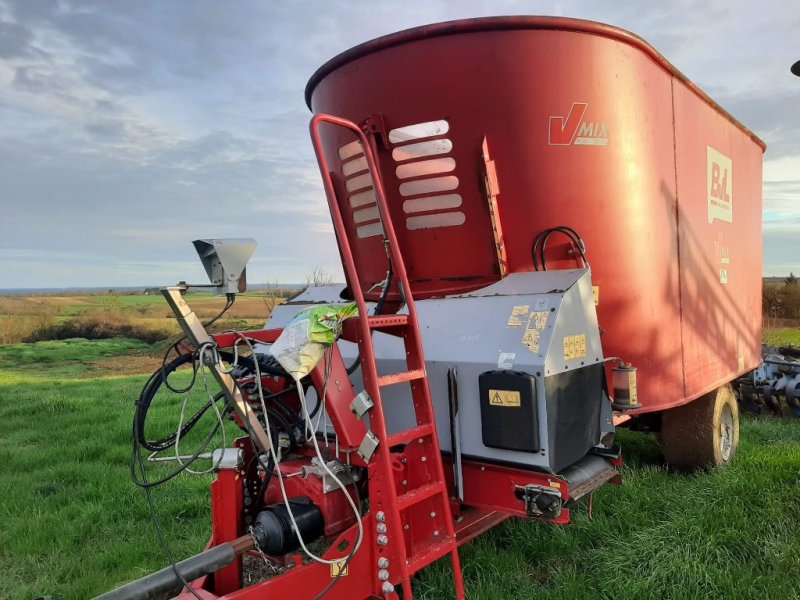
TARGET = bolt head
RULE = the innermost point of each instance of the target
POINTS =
(380, 517)
(383, 562)
(387, 588)
(381, 528)
(424, 458)
(433, 515)
(383, 540)
(383, 575)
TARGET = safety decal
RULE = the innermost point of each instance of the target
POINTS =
(574, 346)
(518, 314)
(537, 321)
(340, 568)
(506, 360)
(508, 398)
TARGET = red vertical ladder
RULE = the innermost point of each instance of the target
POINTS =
(419, 525)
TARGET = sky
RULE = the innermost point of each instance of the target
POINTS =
(128, 129)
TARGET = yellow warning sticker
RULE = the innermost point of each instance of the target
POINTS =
(340, 568)
(509, 398)
(634, 393)
(538, 320)
(596, 294)
(574, 346)
(531, 339)
(518, 314)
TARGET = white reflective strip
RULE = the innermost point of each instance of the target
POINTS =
(431, 203)
(426, 167)
(426, 186)
(358, 182)
(418, 130)
(402, 153)
(354, 166)
(445, 219)
(366, 214)
(350, 149)
(362, 198)
(369, 230)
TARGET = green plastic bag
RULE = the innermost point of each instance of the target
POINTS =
(305, 338)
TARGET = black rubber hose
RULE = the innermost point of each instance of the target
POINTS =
(168, 582)
(146, 399)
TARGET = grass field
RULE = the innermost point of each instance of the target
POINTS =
(146, 317)
(72, 525)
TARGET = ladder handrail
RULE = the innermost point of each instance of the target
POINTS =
(372, 382)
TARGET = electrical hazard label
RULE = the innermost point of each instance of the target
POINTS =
(574, 346)
(340, 568)
(509, 398)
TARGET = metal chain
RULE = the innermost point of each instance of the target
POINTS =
(267, 561)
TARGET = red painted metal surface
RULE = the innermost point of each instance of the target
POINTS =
(227, 501)
(588, 127)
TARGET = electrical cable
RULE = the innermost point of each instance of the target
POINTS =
(323, 464)
(540, 243)
(230, 299)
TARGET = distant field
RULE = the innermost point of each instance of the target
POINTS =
(145, 317)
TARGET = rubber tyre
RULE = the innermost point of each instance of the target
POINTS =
(703, 433)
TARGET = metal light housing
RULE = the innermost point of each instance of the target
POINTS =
(225, 262)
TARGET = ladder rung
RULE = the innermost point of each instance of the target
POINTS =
(430, 554)
(383, 322)
(417, 495)
(401, 377)
(403, 437)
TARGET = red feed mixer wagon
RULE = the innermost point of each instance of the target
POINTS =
(546, 231)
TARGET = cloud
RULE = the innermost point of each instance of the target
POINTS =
(130, 129)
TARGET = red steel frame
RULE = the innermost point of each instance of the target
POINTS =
(492, 499)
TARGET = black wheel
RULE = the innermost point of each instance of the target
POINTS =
(703, 433)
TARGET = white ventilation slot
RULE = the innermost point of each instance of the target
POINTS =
(350, 150)
(417, 131)
(354, 166)
(433, 208)
(427, 203)
(358, 182)
(427, 186)
(366, 214)
(442, 219)
(370, 230)
(426, 167)
(421, 149)
(362, 198)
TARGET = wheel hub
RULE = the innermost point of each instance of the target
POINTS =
(726, 432)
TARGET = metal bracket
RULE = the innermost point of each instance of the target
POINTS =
(228, 458)
(540, 501)
(368, 446)
(361, 404)
(345, 474)
(375, 125)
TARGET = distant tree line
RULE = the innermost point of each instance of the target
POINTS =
(782, 300)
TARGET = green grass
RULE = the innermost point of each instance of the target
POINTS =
(782, 336)
(73, 350)
(72, 525)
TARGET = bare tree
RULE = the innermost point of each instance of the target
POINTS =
(272, 295)
(319, 276)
